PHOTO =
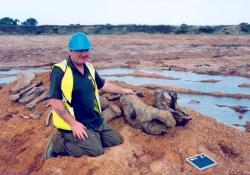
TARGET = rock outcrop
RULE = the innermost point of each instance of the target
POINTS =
(178, 114)
(147, 118)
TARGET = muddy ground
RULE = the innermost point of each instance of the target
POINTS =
(23, 140)
(212, 54)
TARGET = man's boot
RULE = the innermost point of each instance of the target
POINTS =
(49, 152)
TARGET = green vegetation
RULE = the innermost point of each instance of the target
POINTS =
(245, 27)
(207, 29)
(29, 26)
(30, 22)
(182, 29)
(7, 21)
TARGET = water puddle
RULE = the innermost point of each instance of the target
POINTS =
(189, 80)
(208, 105)
(10, 75)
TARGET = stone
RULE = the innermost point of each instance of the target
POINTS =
(240, 117)
(139, 94)
(111, 112)
(173, 100)
(35, 93)
(23, 80)
(240, 109)
(36, 114)
(114, 97)
(147, 118)
(192, 101)
(44, 96)
(159, 100)
(178, 114)
(248, 126)
(14, 97)
(104, 102)
(17, 96)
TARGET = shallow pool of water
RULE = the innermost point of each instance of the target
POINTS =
(226, 84)
(207, 105)
(10, 74)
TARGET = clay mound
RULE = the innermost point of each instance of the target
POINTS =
(23, 142)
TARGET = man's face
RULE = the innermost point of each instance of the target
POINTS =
(79, 57)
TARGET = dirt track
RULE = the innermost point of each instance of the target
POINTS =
(23, 140)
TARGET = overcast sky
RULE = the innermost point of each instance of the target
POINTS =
(174, 12)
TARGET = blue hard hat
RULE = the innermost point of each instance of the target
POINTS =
(79, 41)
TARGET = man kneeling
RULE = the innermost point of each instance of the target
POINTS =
(76, 109)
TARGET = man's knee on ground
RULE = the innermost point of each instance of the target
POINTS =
(115, 141)
(97, 152)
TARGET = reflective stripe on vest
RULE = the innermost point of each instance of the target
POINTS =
(67, 89)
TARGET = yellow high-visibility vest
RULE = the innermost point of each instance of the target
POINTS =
(67, 89)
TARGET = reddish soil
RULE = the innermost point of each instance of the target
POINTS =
(23, 142)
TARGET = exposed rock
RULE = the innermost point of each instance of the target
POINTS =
(240, 117)
(173, 101)
(178, 114)
(151, 75)
(16, 97)
(138, 73)
(23, 80)
(240, 109)
(31, 105)
(111, 112)
(193, 101)
(144, 117)
(36, 114)
(244, 85)
(248, 126)
(113, 97)
(104, 102)
(209, 81)
(139, 94)
(190, 91)
(159, 100)
(35, 93)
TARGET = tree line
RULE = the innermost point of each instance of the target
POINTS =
(14, 22)
(14, 26)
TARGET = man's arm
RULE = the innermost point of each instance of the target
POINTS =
(110, 87)
(55, 100)
(78, 129)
